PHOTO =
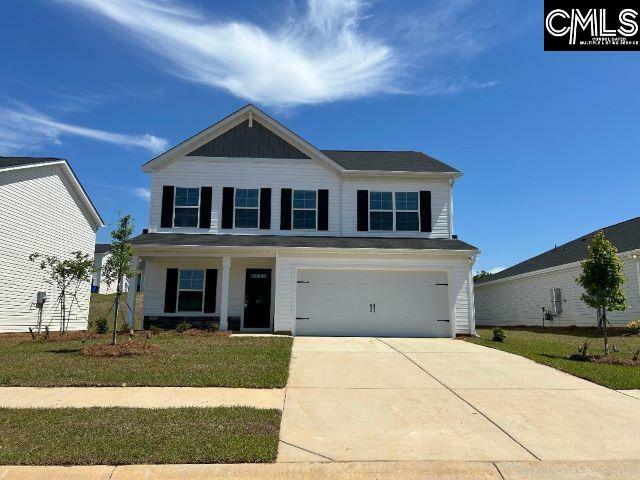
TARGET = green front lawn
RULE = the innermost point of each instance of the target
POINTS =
(101, 304)
(115, 436)
(552, 346)
(181, 360)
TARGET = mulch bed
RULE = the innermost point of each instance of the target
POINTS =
(603, 359)
(122, 349)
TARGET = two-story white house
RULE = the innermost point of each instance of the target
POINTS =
(255, 228)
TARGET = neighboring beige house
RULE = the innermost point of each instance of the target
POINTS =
(44, 209)
(517, 295)
(253, 227)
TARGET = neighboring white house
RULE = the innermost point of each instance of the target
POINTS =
(44, 209)
(98, 284)
(253, 227)
(517, 295)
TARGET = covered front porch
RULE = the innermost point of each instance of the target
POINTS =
(235, 291)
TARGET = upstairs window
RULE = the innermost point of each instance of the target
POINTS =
(407, 215)
(190, 290)
(305, 209)
(246, 208)
(389, 211)
(381, 211)
(186, 208)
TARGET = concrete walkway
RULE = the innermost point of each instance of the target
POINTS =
(622, 470)
(367, 399)
(142, 397)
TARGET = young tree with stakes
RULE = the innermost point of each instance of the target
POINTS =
(67, 276)
(118, 265)
(602, 279)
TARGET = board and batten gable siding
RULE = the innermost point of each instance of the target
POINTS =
(304, 174)
(300, 173)
(519, 300)
(439, 204)
(39, 212)
(457, 269)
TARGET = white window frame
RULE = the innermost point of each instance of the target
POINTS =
(293, 196)
(394, 210)
(246, 208)
(204, 286)
(175, 196)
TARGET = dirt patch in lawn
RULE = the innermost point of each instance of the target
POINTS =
(602, 359)
(123, 349)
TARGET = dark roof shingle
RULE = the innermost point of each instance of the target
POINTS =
(398, 161)
(102, 247)
(625, 236)
(20, 161)
(225, 240)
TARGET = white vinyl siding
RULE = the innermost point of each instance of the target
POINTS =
(519, 301)
(39, 212)
(298, 174)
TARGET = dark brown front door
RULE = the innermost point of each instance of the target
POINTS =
(257, 298)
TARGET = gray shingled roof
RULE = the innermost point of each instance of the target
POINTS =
(20, 161)
(225, 240)
(102, 247)
(399, 161)
(625, 236)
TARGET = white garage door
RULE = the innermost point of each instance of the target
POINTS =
(377, 303)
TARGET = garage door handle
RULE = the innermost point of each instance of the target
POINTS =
(442, 321)
(302, 318)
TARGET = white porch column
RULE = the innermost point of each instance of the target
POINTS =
(224, 294)
(130, 315)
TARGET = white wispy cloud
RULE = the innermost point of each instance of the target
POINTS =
(142, 192)
(319, 54)
(23, 128)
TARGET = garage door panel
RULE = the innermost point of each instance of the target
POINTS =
(339, 302)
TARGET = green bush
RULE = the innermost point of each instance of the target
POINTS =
(634, 326)
(498, 335)
(101, 325)
(155, 330)
(212, 327)
(183, 327)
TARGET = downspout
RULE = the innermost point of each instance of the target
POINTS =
(471, 297)
(451, 182)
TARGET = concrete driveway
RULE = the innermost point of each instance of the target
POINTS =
(368, 399)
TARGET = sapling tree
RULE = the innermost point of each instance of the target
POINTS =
(118, 265)
(603, 279)
(67, 276)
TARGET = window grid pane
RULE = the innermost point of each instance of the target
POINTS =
(246, 218)
(186, 217)
(187, 197)
(407, 221)
(304, 219)
(304, 199)
(191, 279)
(246, 197)
(381, 201)
(406, 201)
(190, 301)
(381, 220)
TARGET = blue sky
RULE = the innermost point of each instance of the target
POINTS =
(547, 141)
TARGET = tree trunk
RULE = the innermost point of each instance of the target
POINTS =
(63, 309)
(115, 315)
(604, 331)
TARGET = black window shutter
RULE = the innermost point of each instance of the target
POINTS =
(166, 218)
(210, 285)
(171, 291)
(425, 211)
(285, 209)
(205, 207)
(323, 209)
(363, 210)
(265, 208)
(227, 207)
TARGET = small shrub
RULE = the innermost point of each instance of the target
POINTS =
(634, 326)
(183, 327)
(583, 350)
(498, 335)
(155, 330)
(101, 325)
(212, 327)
